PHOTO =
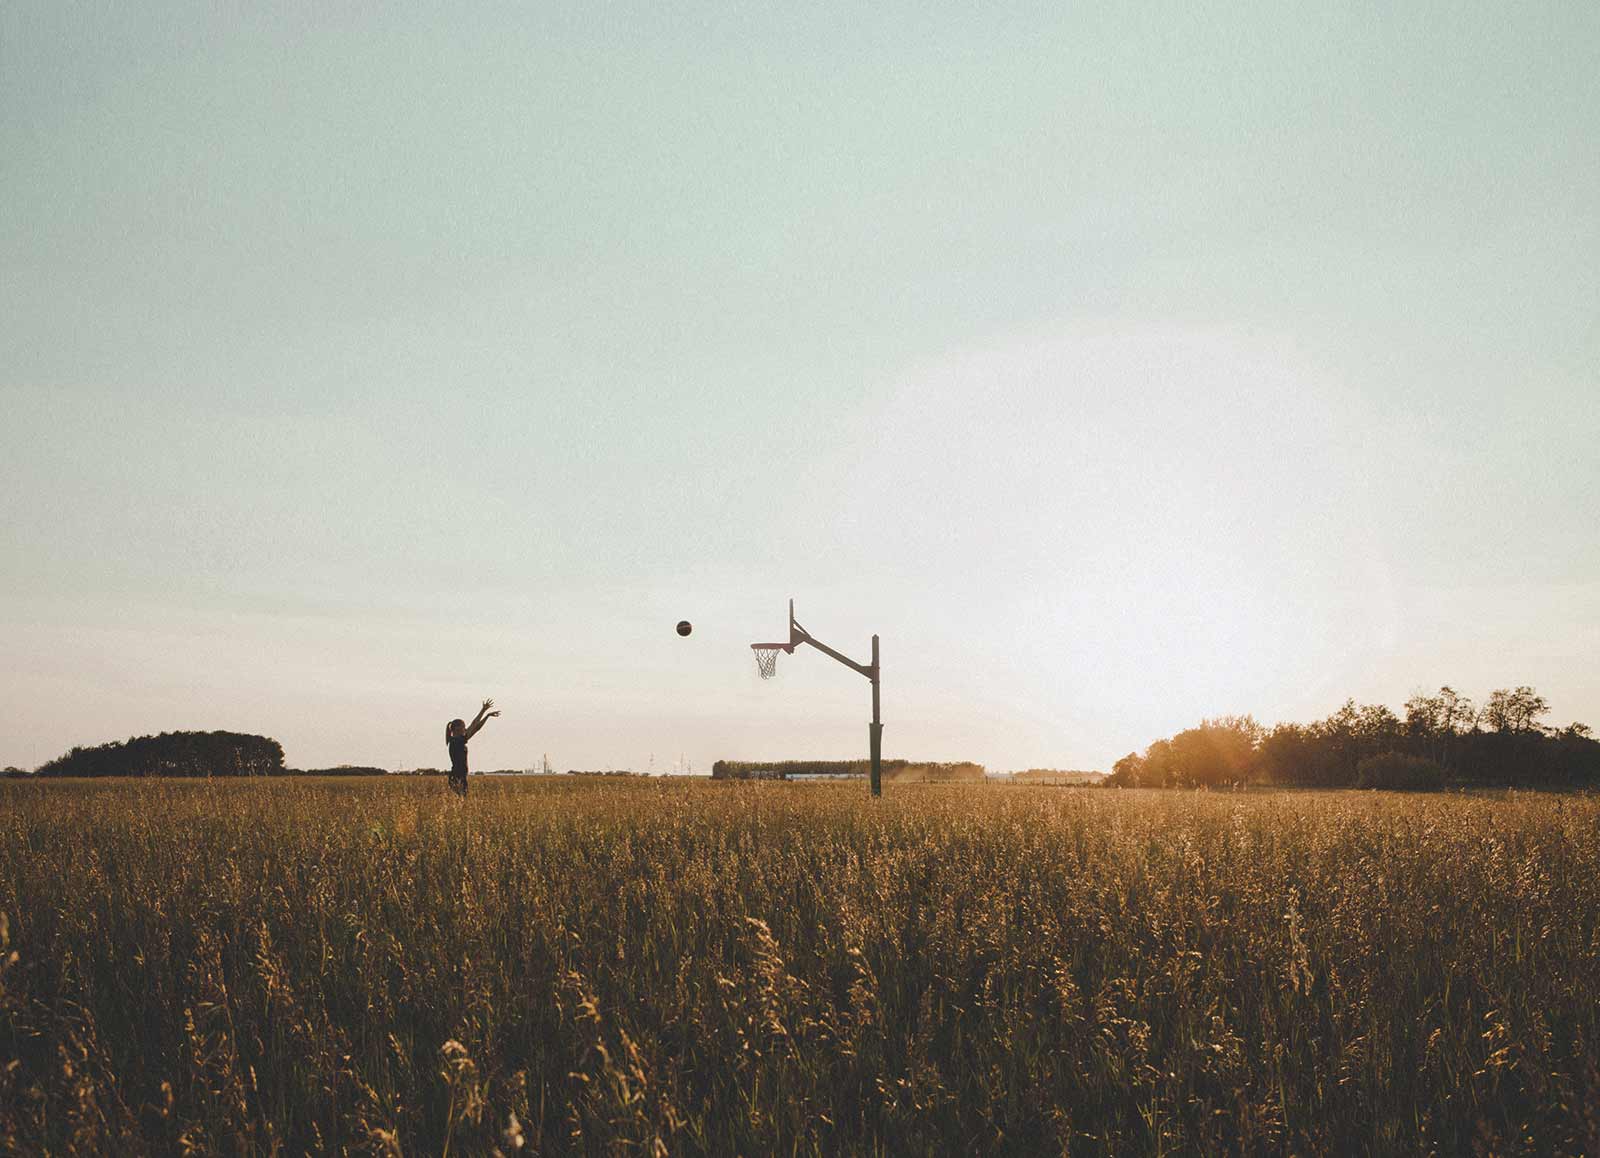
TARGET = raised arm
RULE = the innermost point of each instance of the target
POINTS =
(484, 713)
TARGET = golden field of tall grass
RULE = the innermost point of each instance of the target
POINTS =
(250, 967)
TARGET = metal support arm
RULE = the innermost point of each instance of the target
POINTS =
(870, 672)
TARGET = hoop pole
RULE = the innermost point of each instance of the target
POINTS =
(799, 635)
(875, 732)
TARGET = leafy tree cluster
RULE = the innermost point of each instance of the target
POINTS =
(1442, 739)
(174, 754)
(892, 769)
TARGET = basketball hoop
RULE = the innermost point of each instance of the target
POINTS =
(767, 657)
(767, 666)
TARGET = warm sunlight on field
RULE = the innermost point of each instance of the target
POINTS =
(775, 968)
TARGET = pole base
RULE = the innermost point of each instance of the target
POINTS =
(875, 743)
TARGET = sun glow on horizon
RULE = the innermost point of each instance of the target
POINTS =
(1151, 522)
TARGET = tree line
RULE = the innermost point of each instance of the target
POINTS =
(174, 754)
(1442, 740)
(892, 769)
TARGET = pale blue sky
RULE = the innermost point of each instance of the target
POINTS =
(1119, 364)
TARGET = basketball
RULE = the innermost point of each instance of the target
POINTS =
(684, 627)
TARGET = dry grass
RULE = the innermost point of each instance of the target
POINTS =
(244, 967)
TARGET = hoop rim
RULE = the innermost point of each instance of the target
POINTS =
(787, 647)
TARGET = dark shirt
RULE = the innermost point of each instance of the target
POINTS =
(458, 754)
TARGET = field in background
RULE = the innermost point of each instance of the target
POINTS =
(762, 968)
(1054, 776)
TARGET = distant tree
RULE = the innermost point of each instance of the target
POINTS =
(1377, 726)
(1576, 755)
(1339, 741)
(1368, 744)
(1300, 755)
(1449, 711)
(1280, 757)
(174, 754)
(1460, 713)
(1160, 770)
(1516, 711)
(1422, 715)
(1127, 772)
(1219, 751)
(1434, 724)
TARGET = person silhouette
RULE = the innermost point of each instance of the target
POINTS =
(456, 734)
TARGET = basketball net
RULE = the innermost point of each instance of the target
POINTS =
(766, 658)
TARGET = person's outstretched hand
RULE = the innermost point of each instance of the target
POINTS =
(487, 704)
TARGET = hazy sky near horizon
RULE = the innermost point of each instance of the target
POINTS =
(1118, 364)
